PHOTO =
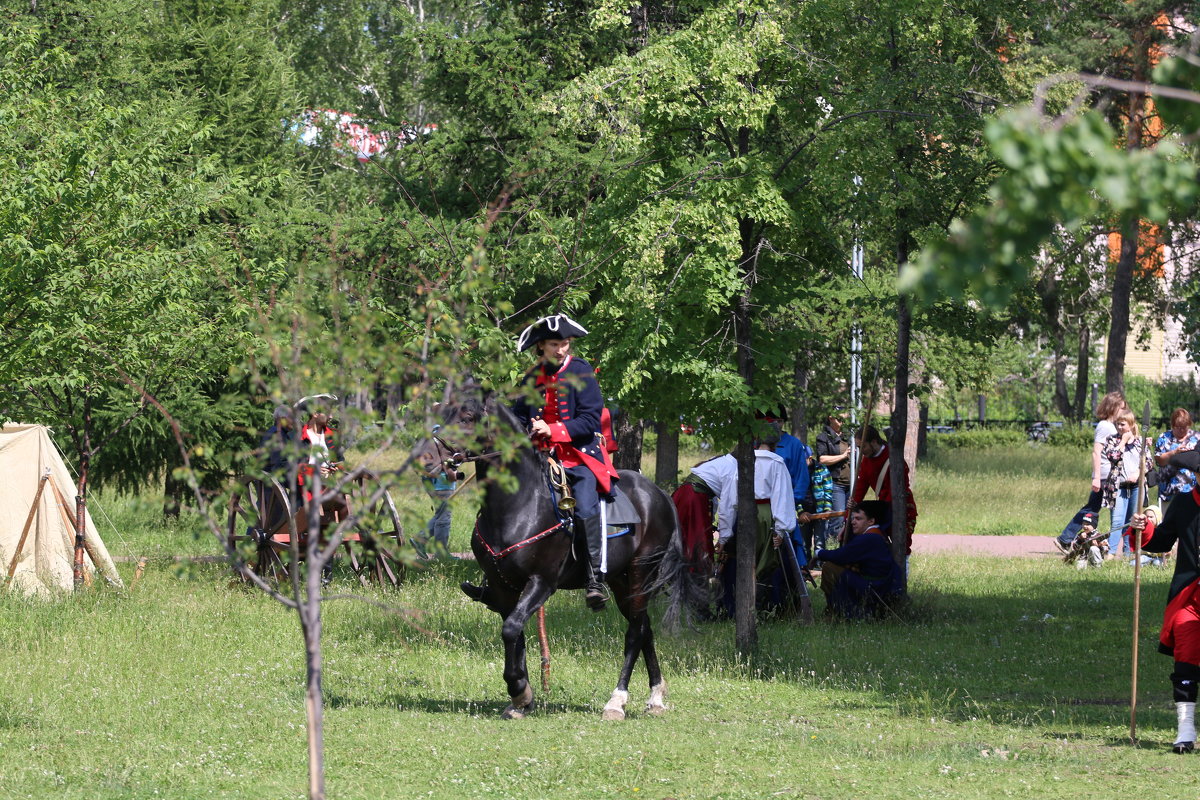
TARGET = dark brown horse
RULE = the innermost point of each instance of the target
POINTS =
(524, 545)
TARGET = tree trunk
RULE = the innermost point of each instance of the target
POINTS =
(628, 433)
(1118, 330)
(666, 456)
(85, 460)
(912, 435)
(745, 623)
(639, 21)
(308, 595)
(745, 538)
(900, 422)
(314, 706)
(799, 408)
(922, 430)
(1083, 367)
(173, 488)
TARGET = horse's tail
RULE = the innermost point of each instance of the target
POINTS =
(687, 582)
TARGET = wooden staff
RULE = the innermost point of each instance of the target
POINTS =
(33, 508)
(1137, 575)
(544, 643)
(862, 436)
(825, 515)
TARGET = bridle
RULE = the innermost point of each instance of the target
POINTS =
(462, 455)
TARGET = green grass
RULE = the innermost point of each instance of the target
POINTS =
(1008, 677)
(1028, 489)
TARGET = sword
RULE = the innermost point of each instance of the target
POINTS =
(789, 552)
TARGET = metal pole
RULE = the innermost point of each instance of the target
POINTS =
(856, 266)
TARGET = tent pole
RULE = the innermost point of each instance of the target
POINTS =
(37, 497)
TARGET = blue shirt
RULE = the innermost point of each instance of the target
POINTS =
(1175, 480)
(795, 455)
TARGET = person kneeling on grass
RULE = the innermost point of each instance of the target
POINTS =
(1088, 547)
(861, 577)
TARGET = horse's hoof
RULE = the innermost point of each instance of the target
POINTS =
(612, 715)
(512, 712)
(1179, 748)
(657, 704)
(520, 705)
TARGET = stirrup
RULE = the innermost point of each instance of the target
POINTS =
(594, 596)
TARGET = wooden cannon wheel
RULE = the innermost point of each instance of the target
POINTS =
(258, 526)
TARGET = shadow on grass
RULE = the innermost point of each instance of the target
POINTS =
(400, 701)
(1023, 645)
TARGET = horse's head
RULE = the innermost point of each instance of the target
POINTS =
(464, 433)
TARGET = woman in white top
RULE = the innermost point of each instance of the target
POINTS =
(1106, 411)
(1124, 450)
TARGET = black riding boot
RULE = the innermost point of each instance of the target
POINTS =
(594, 596)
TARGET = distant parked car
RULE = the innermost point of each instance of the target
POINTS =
(940, 428)
(1040, 431)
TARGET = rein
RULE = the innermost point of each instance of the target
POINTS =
(459, 457)
(496, 555)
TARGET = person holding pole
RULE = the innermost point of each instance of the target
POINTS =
(874, 473)
(1180, 635)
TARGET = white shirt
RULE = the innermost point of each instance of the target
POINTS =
(771, 482)
(1104, 429)
(320, 453)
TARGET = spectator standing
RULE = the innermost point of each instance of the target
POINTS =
(440, 486)
(796, 456)
(822, 493)
(833, 453)
(1106, 411)
(1123, 450)
(1179, 439)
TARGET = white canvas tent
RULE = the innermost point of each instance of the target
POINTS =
(37, 533)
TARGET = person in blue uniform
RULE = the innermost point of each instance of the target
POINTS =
(565, 419)
(866, 573)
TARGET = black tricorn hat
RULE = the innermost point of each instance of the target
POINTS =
(557, 326)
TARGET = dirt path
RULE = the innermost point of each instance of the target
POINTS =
(1025, 546)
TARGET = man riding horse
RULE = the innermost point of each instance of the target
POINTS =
(567, 423)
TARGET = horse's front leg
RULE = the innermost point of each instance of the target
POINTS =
(520, 693)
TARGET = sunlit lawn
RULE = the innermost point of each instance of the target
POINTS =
(1031, 489)
(1007, 677)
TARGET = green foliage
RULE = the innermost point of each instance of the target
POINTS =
(1060, 173)
(1072, 437)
